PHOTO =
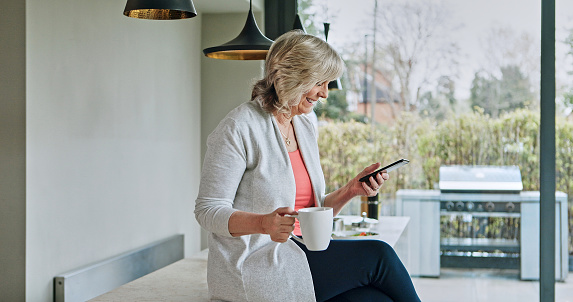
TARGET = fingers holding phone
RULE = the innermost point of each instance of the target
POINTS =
(375, 182)
(369, 181)
(372, 182)
(395, 165)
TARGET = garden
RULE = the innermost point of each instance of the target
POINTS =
(511, 139)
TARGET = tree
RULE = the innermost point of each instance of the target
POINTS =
(336, 107)
(309, 13)
(509, 78)
(567, 98)
(414, 49)
(515, 57)
(483, 92)
(505, 94)
(441, 102)
(566, 90)
(515, 90)
(416, 45)
(503, 46)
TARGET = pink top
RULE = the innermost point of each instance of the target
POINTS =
(304, 194)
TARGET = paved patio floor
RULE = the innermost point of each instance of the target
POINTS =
(491, 285)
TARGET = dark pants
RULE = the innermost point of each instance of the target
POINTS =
(359, 270)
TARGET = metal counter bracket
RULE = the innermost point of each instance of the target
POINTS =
(93, 280)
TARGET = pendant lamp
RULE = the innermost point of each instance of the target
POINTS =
(298, 24)
(250, 44)
(336, 84)
(160, 9)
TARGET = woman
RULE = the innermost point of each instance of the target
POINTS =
(262, 162)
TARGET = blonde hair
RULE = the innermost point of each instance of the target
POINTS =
(295, 63)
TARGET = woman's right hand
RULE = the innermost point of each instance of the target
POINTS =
(277, 225)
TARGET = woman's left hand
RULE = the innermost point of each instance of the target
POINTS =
(355, 187)
(372, 185)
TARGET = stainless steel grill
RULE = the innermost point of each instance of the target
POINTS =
(480, 179)
(479, 218)
(479, 234)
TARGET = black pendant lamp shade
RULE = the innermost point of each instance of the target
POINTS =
(250, 44)
(160, 9)
(333, 85)
(326, 30)
(298, 24)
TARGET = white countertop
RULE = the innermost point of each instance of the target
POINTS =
(186, 279)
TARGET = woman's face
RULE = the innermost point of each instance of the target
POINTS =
(309, 99)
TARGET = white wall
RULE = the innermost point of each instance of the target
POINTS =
(113, 134)
(226, 83)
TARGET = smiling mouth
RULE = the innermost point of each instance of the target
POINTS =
(310, 101)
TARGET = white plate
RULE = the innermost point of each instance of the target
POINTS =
(353, 235)
(349, 219)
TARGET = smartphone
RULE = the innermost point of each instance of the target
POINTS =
(393, 166)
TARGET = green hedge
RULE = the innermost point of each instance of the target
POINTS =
(469, 139)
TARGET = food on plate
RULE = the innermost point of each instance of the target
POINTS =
(365, 234)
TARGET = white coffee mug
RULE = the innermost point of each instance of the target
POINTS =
(315, 226)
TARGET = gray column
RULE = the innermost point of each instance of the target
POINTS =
(13, 150)
(547, 156)
(279, 17)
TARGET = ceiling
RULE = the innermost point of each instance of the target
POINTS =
(226, 6)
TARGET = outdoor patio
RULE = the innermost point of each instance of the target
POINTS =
(492, 285)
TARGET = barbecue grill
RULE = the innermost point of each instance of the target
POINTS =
(479, 218)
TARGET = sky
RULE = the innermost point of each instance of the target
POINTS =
(352, 20)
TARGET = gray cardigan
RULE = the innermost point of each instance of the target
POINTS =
(247, 167)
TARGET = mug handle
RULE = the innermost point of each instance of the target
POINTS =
(293, 236)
